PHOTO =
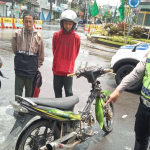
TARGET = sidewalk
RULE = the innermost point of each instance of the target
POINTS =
(86, 42)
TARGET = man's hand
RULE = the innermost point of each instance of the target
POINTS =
(113, 97)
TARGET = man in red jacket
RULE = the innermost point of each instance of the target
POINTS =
(66, 45)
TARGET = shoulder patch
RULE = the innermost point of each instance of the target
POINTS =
(148, 60)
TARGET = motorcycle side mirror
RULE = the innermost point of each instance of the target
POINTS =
(80, 65)
(86, 65)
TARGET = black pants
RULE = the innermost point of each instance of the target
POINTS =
(59, 82)
(20, 83)
(142, 124)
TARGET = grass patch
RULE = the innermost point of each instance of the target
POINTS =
(111, 42)
(89, 36)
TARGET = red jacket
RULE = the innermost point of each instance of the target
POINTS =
(65, 50)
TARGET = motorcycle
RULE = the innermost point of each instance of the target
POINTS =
(1, 74)
(58, 126)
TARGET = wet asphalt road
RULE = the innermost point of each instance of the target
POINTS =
(122, 136)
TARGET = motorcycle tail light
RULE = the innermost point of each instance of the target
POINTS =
(1, 65)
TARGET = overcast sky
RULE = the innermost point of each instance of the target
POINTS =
(110, 2)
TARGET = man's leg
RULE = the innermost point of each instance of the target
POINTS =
(58, 84)
(28, 86)
(68, 81)
(142, 127)
(19, 84)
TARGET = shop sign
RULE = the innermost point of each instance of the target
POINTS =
(7, 20)
(1, 2)
(38, 22)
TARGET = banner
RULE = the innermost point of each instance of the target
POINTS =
(0, 22)
(18, 23)
(38, 24)
(8, 22)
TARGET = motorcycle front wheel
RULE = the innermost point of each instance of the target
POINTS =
(108, 118)
(37, 135)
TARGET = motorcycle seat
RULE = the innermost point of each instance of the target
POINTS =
(64, 103)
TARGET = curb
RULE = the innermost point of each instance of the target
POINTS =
(97, 47)
(5, 46)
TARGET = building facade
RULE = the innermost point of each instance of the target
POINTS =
(145, 5)
(57, 7)
(2, 9)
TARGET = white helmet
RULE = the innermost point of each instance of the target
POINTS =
(68, 15)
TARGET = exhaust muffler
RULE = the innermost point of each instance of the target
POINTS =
(58, 145)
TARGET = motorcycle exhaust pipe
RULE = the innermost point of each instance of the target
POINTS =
(59, 146)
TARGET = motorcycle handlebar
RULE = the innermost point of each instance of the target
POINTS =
(71, 75)
(81, 72)
(108, 70)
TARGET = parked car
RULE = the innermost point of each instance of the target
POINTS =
(125, 59)
(84, 21)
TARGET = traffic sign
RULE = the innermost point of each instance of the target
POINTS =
(134, 3)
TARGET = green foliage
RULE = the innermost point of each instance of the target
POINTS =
(144, 40)
(99, 8)
(108, 25)
(122, 26)
(21, 2)
(111, 42)
(126, 2)
(113, 30)
(80, 2)
(120, 40)
(100, 32)
(131, 42)
(108, 16)
(136, 32)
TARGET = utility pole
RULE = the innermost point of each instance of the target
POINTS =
(87, 11)
(50, 10)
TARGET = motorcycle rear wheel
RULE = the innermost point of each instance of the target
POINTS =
(36, 136)
(108, 122)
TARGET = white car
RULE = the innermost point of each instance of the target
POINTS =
(125, 59)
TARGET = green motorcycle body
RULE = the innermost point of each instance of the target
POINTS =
(99, 111)
(69, 115)
(59, 114)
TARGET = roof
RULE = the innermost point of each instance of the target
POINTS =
(145, 0)
(33, 2)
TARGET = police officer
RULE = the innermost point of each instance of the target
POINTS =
(142, 122)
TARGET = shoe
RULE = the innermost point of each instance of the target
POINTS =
(138, 146)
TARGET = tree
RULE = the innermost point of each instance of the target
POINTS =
(99, 8)
(21, 2)
(125, 2)
(109, 16)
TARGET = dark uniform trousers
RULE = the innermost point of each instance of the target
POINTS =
(142, 124)
(20, 83)
(59, 82)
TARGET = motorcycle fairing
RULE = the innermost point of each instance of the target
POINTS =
(20, 123)
(59, 114)
(99, 111)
